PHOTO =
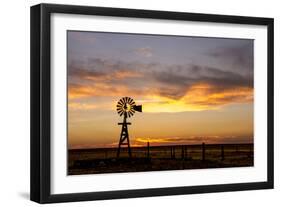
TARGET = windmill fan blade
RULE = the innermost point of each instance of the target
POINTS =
(122, 101)
(131, 113)
(121, 114)
(119, 107)
(131, 101)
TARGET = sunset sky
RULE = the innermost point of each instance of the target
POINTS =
(192, 89)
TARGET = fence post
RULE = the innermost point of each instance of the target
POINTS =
(182, 152)
(222, 152)
(148, 150)
(203, 151)
(171, 152)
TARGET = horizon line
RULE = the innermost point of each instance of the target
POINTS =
(169, 145)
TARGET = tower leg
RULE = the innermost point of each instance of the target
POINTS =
(118, 151)
(129, 149)
(124, 138)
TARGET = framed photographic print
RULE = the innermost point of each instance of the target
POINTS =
(133, 103)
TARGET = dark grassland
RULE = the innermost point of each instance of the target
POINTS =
(103, 160)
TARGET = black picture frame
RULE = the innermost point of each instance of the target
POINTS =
(41, 95)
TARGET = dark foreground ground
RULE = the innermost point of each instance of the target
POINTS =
(92, 161)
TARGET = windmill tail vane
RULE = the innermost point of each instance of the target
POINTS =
(126, 107)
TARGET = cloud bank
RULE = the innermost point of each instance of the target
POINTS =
(186, 87)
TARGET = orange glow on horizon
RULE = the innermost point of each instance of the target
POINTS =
(164, 141)
(198, 98)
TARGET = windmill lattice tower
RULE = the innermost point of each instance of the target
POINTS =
(126, 107)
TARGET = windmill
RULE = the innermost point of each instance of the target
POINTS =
(126, 107)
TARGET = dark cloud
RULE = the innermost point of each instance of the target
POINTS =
(172, 81)
(100, 70)
(177, 81)
(84, 73)
(241, 56)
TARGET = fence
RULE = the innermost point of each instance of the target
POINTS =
(203, 151)
(175, 152)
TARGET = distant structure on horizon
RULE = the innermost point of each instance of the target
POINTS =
(126, 107)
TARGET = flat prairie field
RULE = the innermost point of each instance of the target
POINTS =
(156, 158)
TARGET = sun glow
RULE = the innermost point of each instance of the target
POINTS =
(198, 98)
